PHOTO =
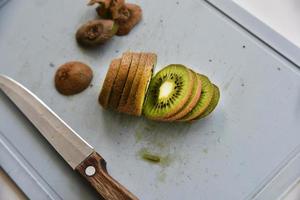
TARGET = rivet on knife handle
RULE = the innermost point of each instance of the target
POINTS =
(93, 169)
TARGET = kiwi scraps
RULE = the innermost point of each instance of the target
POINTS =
(116, 18)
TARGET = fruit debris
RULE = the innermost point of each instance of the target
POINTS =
(96, 32)
(126, 15)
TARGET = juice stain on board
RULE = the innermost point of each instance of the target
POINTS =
(157, 141)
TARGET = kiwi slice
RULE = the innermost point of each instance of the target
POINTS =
(207, 92)
(213, 104)
(120, 80)
(168, 92)
(144, 83)
(193, 100)
(130, 78)
(130, 105)
(109, 82)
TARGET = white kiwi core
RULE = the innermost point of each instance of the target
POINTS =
(165, 89)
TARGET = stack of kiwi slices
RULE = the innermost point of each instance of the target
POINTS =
(177, 93)
(126, 82)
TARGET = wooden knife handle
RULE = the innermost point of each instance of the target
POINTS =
(93, 169)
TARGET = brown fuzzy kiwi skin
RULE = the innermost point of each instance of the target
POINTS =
(122, 15)
(135, 16)
(193, 99)
(104, 3)
(144, 83)
(108, 4)
(126, 15)
(108, 82)
(103, 12)
(130, 107)
(96, 32)
(130, 78)
(117, 8)
(73, 77)
(111, 9)
(120, 80)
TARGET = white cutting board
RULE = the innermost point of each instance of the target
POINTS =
(229, 155)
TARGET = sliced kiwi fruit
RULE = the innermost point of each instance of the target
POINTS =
(195, 95)
(168, 92)
(213, 104)
(130, 78)
(130, 105)
(120, 80)
(109, 82)
(144, 83)
(207, 92)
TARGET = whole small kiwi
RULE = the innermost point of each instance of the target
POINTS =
(73, 77)
(96, 32)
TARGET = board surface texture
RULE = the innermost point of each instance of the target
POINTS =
(228, 155)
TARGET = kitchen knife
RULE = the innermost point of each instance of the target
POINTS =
(74, 150)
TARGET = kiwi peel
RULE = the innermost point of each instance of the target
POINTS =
(131, 101)
(134, 16)
(120, 80)
(109, 82)
(168, 92)
(104, 3)
(130, 78)
(144, 83)
(96, 32)
(126, 15)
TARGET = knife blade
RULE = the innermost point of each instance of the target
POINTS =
(74, 150)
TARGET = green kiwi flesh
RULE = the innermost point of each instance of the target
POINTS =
(193, 100)
(207, 92)
(168, 92)
(213, 104)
